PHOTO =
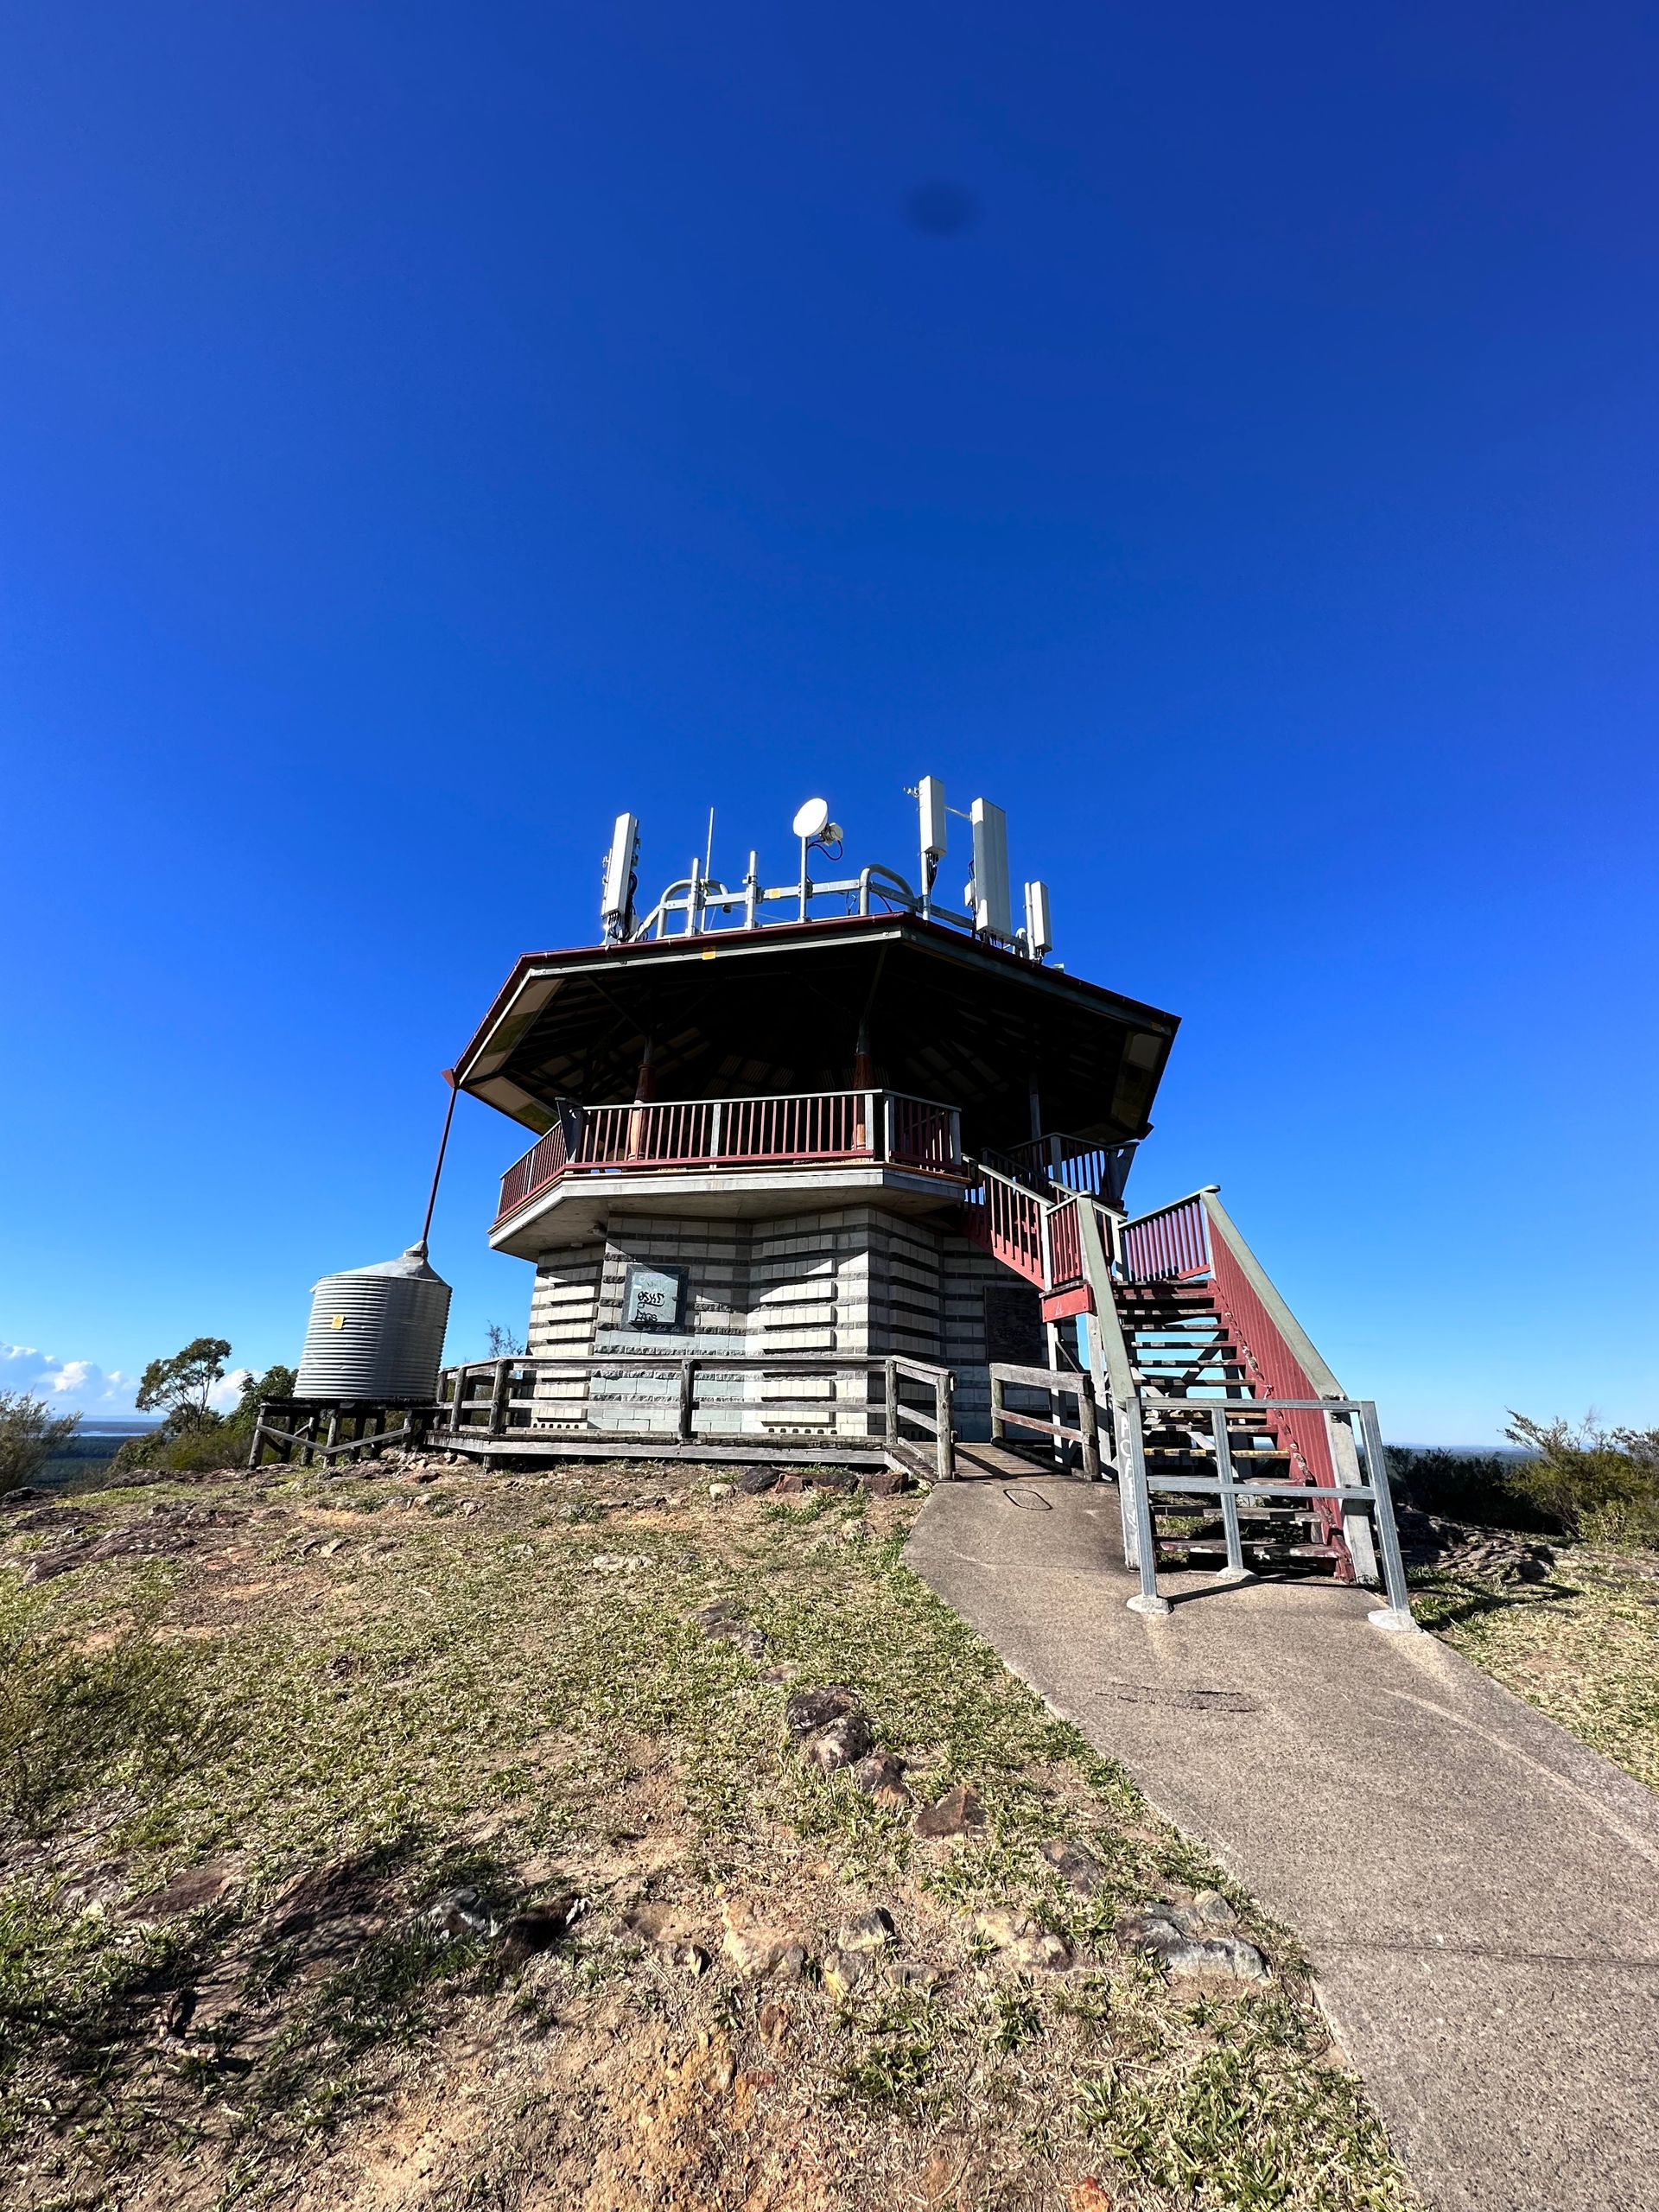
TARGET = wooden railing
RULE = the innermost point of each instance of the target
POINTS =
(787, 1131)
(1007, 1221)
(1073, 1163)
(1057, 1384)
(688, 1399)
(1171, 1242)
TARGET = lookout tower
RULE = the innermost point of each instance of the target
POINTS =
(822, 1164)
(756, 1108)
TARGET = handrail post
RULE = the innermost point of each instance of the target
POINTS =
(687, 1413)
(1396, 1614)
(890, 1385)
(1089, 1422)
(998, 1427)
(1133, 1471)
(498, 1398)
(1235, 1570)
(944, 1384)
(716, 1120)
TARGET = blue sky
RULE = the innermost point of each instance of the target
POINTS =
(428, 429)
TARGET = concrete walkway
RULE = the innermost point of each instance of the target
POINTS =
(1478, 1892)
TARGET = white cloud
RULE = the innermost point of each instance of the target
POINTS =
(225, 1395)
(80, 1386)
(69, 1385)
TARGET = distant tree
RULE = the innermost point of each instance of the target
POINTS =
(275, 1382)
(30, 1435)
(503, 1344)
(182, 1385)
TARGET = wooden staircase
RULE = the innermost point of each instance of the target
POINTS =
(1230, 1440)
(1179, 1347)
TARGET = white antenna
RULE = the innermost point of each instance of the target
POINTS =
(1040, 933)
(616, 901)
(929, 803)
(709, 849)
(993, 917)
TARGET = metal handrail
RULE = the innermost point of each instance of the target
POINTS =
(1227, 1486)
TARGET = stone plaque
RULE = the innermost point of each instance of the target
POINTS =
(1014, 1326)
(653, 1298)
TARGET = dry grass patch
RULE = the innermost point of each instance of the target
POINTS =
(1583, 1646)
(239, 1773)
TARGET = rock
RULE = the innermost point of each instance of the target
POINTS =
(93, 1890)
(870, 1931)
(719, 1490)
(913, 1976)
(791, 1484)
(887, 1482)
(844, 1743)
(1023, 1942)
(721, 1623)
(841, 1478)
(757, 1947)
(957, 1812)
(1176, 1938)
(843, 1970)
(539, 1928)
(1079, 1869)
(881, 1776)
(188, 1893)
(1090, 2195)
(461, 1914)
(771, 2024)
(754, 1481)
(612, 1562)
(54, 1517)
(1213, 1909)
(177, 2009)
(808, 1710)
(854, 1532)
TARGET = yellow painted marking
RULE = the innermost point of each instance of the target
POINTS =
(338, 1322)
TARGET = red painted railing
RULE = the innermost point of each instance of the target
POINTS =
(1172, 1242)
(1005, 1220)
(1065, 1246)
(780, 1132)
(920, 1134)
(1275, 1372)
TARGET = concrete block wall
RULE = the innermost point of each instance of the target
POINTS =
(854, 1282)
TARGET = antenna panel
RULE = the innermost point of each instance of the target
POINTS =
(993, 916)
(1040, 933)
(930, 800)
(616, 903)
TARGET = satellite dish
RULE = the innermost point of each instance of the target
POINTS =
(810, 819)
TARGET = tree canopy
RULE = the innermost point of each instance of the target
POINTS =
(182, 1385)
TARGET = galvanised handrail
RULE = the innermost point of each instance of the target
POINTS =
(772, 1130)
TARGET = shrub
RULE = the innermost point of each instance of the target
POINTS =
(1599, 1483)
(1477, 1486)
(29, 1435)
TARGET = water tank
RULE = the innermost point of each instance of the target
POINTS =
(377, 1333)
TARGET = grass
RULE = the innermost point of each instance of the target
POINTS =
(1583, 1647)
(354, 1695)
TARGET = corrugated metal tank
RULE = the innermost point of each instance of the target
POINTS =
(377, 1333)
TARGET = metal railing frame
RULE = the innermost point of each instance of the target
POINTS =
(1227, 1487)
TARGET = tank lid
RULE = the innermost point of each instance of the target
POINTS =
(410, 1266)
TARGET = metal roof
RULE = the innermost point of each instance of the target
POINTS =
(779, 1009)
